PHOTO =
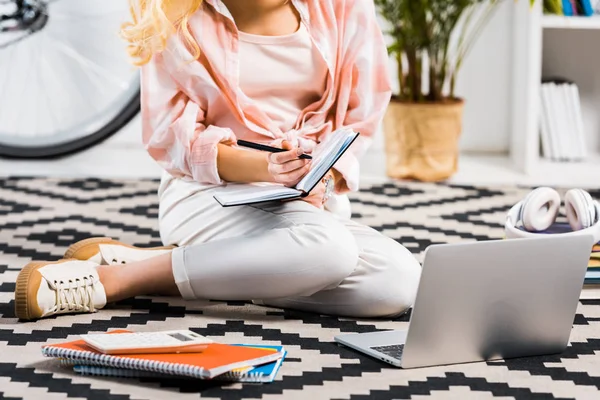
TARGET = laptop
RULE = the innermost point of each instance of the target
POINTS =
(487, 300)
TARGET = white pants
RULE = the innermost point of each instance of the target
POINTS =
(287, 255)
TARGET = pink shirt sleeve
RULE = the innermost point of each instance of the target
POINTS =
(173, 129)
(365, 87)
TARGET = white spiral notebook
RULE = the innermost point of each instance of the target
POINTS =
(325, 157)
(265, 373)
(216, 359)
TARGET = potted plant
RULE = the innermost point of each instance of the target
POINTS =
(430, 41)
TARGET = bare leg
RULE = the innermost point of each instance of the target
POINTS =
(151, 276)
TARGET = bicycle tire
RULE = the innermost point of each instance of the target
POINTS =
(79, 144)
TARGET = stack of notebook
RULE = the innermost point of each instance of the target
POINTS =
(593, 273)
(237, 363)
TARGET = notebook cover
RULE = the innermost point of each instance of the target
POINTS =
(262, 373)
(216, 359)
(265, 373)
(258, 201)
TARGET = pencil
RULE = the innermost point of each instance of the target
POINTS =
(263, 147)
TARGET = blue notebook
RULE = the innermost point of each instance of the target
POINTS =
(265, 373)
(568, 8)
(592, 277)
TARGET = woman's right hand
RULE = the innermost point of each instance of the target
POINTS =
(286, 168)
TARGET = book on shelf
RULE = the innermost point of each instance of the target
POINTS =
(562, 133)
(215, 360)
(572, 8)
(587, 7)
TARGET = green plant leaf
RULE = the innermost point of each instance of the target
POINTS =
(444, 31)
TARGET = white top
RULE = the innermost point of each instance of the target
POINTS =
(283, 74)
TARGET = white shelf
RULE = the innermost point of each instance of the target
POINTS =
(481, 169)
(575, 22)
(542, 47)
(582, 174)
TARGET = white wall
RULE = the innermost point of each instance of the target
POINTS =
(485, 83)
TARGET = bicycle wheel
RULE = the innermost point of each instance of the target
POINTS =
(66, 82)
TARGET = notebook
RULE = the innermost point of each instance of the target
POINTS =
(215, 360)
(265, 373)
(325, 157)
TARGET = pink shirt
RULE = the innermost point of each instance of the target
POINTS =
(190, 107)
(282, 74)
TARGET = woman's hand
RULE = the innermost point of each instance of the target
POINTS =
(285, 167)
(316, 195)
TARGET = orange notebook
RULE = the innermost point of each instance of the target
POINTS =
(215, 360)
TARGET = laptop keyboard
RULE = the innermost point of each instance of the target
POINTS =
(393, 350)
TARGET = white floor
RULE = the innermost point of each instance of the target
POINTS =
(123, 157)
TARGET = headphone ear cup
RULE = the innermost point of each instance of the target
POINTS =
(580, 209)
(539, 209)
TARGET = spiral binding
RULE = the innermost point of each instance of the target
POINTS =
(88, 358)
(95, 370)
(116, 372)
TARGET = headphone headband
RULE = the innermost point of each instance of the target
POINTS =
(514, 215)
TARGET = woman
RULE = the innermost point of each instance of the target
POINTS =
(280, 72)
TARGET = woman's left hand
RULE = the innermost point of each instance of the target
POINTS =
(317, 195)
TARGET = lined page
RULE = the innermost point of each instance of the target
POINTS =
(325, 157)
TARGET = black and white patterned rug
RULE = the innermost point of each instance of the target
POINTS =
(39, 218)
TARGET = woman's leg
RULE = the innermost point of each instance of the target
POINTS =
(301, 253)
(151, 276)
(238, 253)
(384, 283)
(274, 254)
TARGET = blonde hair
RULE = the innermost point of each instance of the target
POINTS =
(154, 22)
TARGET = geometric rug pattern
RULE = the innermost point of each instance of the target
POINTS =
(40, 217)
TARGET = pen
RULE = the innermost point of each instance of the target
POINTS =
(262, 147)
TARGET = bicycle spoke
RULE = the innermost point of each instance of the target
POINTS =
(86, 18)
(3, 90)
(20, 108)
(98, 50)
(69, 11)
(49, 104)
(38, 83)
(92, 79)
(66, 67)
(13, 41)
(86, 62)
(69, 87)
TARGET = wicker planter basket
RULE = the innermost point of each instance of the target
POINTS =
(422, 140)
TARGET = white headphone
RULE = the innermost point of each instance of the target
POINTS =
(538, 211)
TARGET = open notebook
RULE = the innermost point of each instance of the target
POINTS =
(325, 157)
